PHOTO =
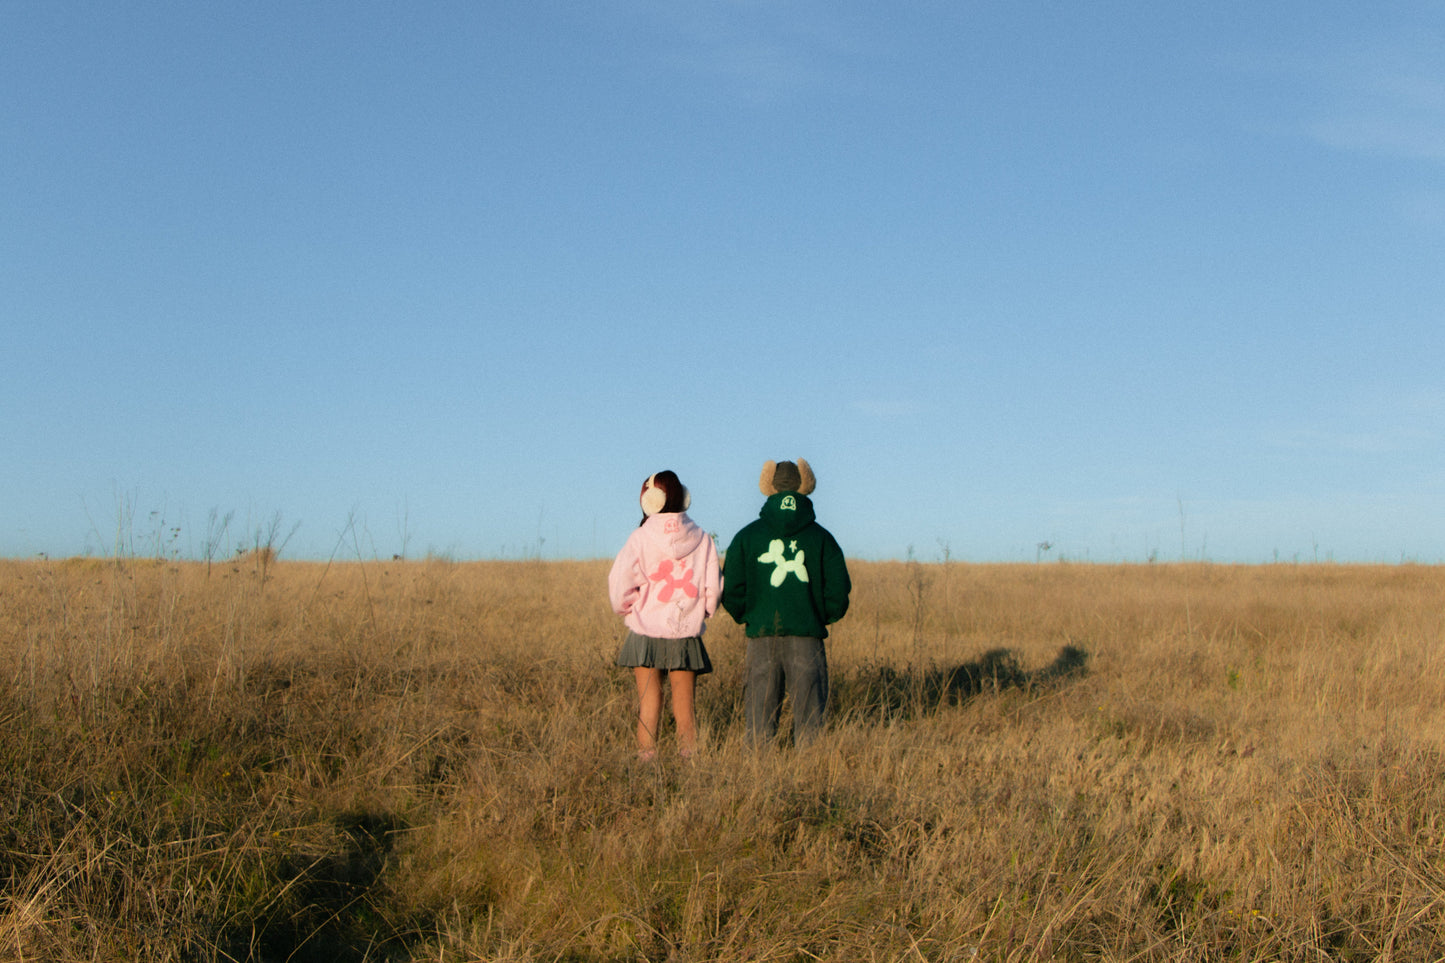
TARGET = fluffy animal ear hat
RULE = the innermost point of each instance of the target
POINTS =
(663, 492)
(787, 476)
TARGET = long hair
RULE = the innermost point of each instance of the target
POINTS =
(675, 494)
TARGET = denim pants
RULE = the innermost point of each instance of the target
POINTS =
(793, 663)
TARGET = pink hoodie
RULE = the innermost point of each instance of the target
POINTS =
(665, 581)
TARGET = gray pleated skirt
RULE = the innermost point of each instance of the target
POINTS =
(669, 654)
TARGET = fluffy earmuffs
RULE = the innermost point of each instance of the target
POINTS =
(660, 489)
(787, 476)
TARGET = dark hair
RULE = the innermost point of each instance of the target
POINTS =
(667, 482)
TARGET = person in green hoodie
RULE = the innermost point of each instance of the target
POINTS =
(784, 577)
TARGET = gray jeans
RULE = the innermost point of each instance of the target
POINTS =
(793, 662)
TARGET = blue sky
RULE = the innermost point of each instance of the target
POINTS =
(455, 277)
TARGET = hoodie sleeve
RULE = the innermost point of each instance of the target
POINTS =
(623, 584)
(712, 578)
(735, 579)
(836, 584)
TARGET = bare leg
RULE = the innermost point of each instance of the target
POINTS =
(649, 712)
(683, 683)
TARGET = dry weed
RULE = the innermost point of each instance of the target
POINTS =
(433, 761)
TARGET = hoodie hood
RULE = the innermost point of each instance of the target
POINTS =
(787, 513)
(672, 534)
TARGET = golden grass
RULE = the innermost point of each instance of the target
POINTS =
(434, 761)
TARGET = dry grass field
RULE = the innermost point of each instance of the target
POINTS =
(434, 761)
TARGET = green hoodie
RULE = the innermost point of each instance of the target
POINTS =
(784, 574)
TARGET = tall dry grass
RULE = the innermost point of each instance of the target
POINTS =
(434, 761)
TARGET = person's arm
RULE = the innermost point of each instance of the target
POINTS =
(711, 579)
(836, 583)
(735, 579)
(622, 584)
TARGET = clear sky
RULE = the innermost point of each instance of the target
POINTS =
(1130, 278)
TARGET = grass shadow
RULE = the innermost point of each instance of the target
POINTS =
(881, 693)
(326, 909)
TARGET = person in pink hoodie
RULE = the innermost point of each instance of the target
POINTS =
(665, 583)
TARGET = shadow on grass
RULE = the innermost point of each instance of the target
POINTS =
(881, 693)
(326, 911)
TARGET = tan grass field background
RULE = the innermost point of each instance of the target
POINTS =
(270, 760)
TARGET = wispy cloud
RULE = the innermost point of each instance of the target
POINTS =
(762, 50)
(1413, 422)
(1386, 441)
(1388, 101)
(1406, 422)
(1424, 207)
(1404, 117)
(760, 67)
